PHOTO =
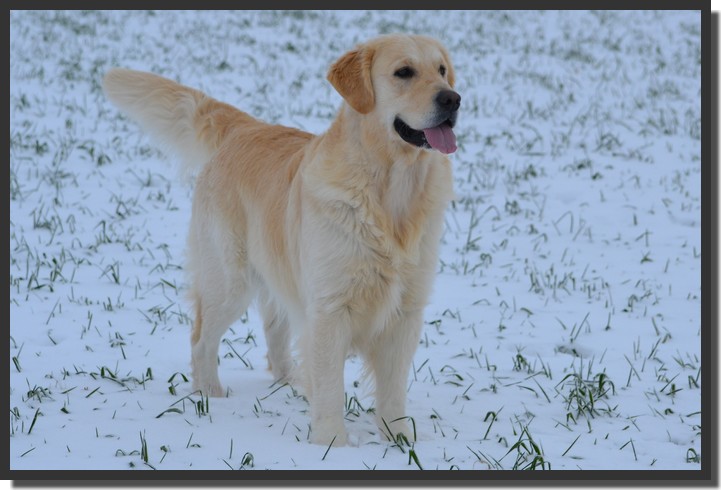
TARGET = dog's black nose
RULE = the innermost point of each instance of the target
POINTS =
(448, 99)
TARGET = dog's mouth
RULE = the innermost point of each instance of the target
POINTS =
(440, 137)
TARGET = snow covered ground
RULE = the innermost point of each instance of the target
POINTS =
(564, 332)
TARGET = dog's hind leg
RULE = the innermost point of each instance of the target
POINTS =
(212, 319)
(277, 336)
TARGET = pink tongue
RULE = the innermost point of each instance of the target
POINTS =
(441, 138)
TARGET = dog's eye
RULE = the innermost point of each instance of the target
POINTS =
(405, 72)
(442, 71)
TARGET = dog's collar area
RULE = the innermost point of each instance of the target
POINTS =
(410, 135)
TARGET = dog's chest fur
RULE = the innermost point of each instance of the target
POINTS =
(390, 220)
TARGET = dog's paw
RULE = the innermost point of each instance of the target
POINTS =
(210, 389)
(325, 435)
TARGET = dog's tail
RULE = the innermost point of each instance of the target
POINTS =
(186, 122)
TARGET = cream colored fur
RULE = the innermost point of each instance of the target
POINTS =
(336, 235)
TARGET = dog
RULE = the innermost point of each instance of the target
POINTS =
(335, 235)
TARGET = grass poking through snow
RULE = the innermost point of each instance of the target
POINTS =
(564, 328)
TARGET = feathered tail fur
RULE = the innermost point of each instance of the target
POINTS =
(185, 121)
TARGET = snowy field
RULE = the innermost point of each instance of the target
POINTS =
(564, 332)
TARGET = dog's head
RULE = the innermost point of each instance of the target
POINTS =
(407, 82)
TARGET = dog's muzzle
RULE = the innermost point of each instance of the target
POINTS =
(439, 134)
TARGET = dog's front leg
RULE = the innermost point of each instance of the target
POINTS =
(390, 363)
(330, 338)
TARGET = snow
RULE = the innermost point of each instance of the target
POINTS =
(570, 262)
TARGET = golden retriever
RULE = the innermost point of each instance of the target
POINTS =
(336, 235)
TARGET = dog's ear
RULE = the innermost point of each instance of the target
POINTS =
(351, 77)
